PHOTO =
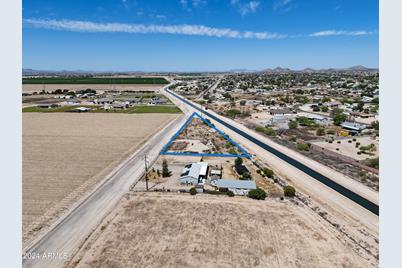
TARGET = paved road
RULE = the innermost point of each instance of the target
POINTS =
(69, 234)
(326, 196)
(210, 89)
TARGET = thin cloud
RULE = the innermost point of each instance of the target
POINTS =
(245, 8)
(282, 5)
(183, 29)
(188, 4)
(337, 33)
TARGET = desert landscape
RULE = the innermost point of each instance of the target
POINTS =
(66, 154)
(179, 230)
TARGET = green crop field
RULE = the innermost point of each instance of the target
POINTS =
(62, 109)
(156, 109)
(95, 80)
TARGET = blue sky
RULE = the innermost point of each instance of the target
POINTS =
(198, 35)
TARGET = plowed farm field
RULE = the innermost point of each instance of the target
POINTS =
(65, 155)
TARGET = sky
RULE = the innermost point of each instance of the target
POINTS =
(199, 35)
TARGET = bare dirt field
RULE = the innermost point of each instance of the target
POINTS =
(30, 88)
(179, 230)
(348, 147)
(65, 155)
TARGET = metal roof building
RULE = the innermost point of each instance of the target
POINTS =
(239, 184)
(238, 187)
(192, 173)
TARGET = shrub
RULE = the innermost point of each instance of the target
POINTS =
(268, 172)
(270, 131)
(357, 144)
(303, 146)
(373, 162)
(331, 132)
(258, 194)
(320, 132)
(293, 124)
(338, 142)
(232, 151)
(349, 141)
(354, 139)
(230, 193)
(233, 112)
(245, 176)
(293, 138)
(289, 191)
(193, 191)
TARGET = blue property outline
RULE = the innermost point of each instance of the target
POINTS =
(164, 151)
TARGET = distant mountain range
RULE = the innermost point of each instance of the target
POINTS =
(357, 68)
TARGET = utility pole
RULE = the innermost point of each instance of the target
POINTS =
(146, 173)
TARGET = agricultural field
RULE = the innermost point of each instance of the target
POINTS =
(31, 88)
(65, 154)
(95, 80)
(139, 109)
(180, 230)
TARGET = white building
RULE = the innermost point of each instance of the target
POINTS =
(238, 187)
(195, 173)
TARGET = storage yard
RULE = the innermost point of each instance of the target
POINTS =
(179, 230)
(65, 154)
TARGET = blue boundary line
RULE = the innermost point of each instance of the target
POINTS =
(244, 154)
(374, 208)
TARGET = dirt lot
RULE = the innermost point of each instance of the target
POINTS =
(200, 138)
(348, 147)
(179, 230)
(65, 154)
(30, 88)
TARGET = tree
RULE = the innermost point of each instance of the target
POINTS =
(338, 116)
(258, 194)
(293, 124)
(246, 176)
(375, 125)
(242, 102)
(289, 191)
(165, 169)
(226, 95)
(268, 172)
(238, 161)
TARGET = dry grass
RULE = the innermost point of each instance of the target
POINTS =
(65, 154)
(179, 230)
